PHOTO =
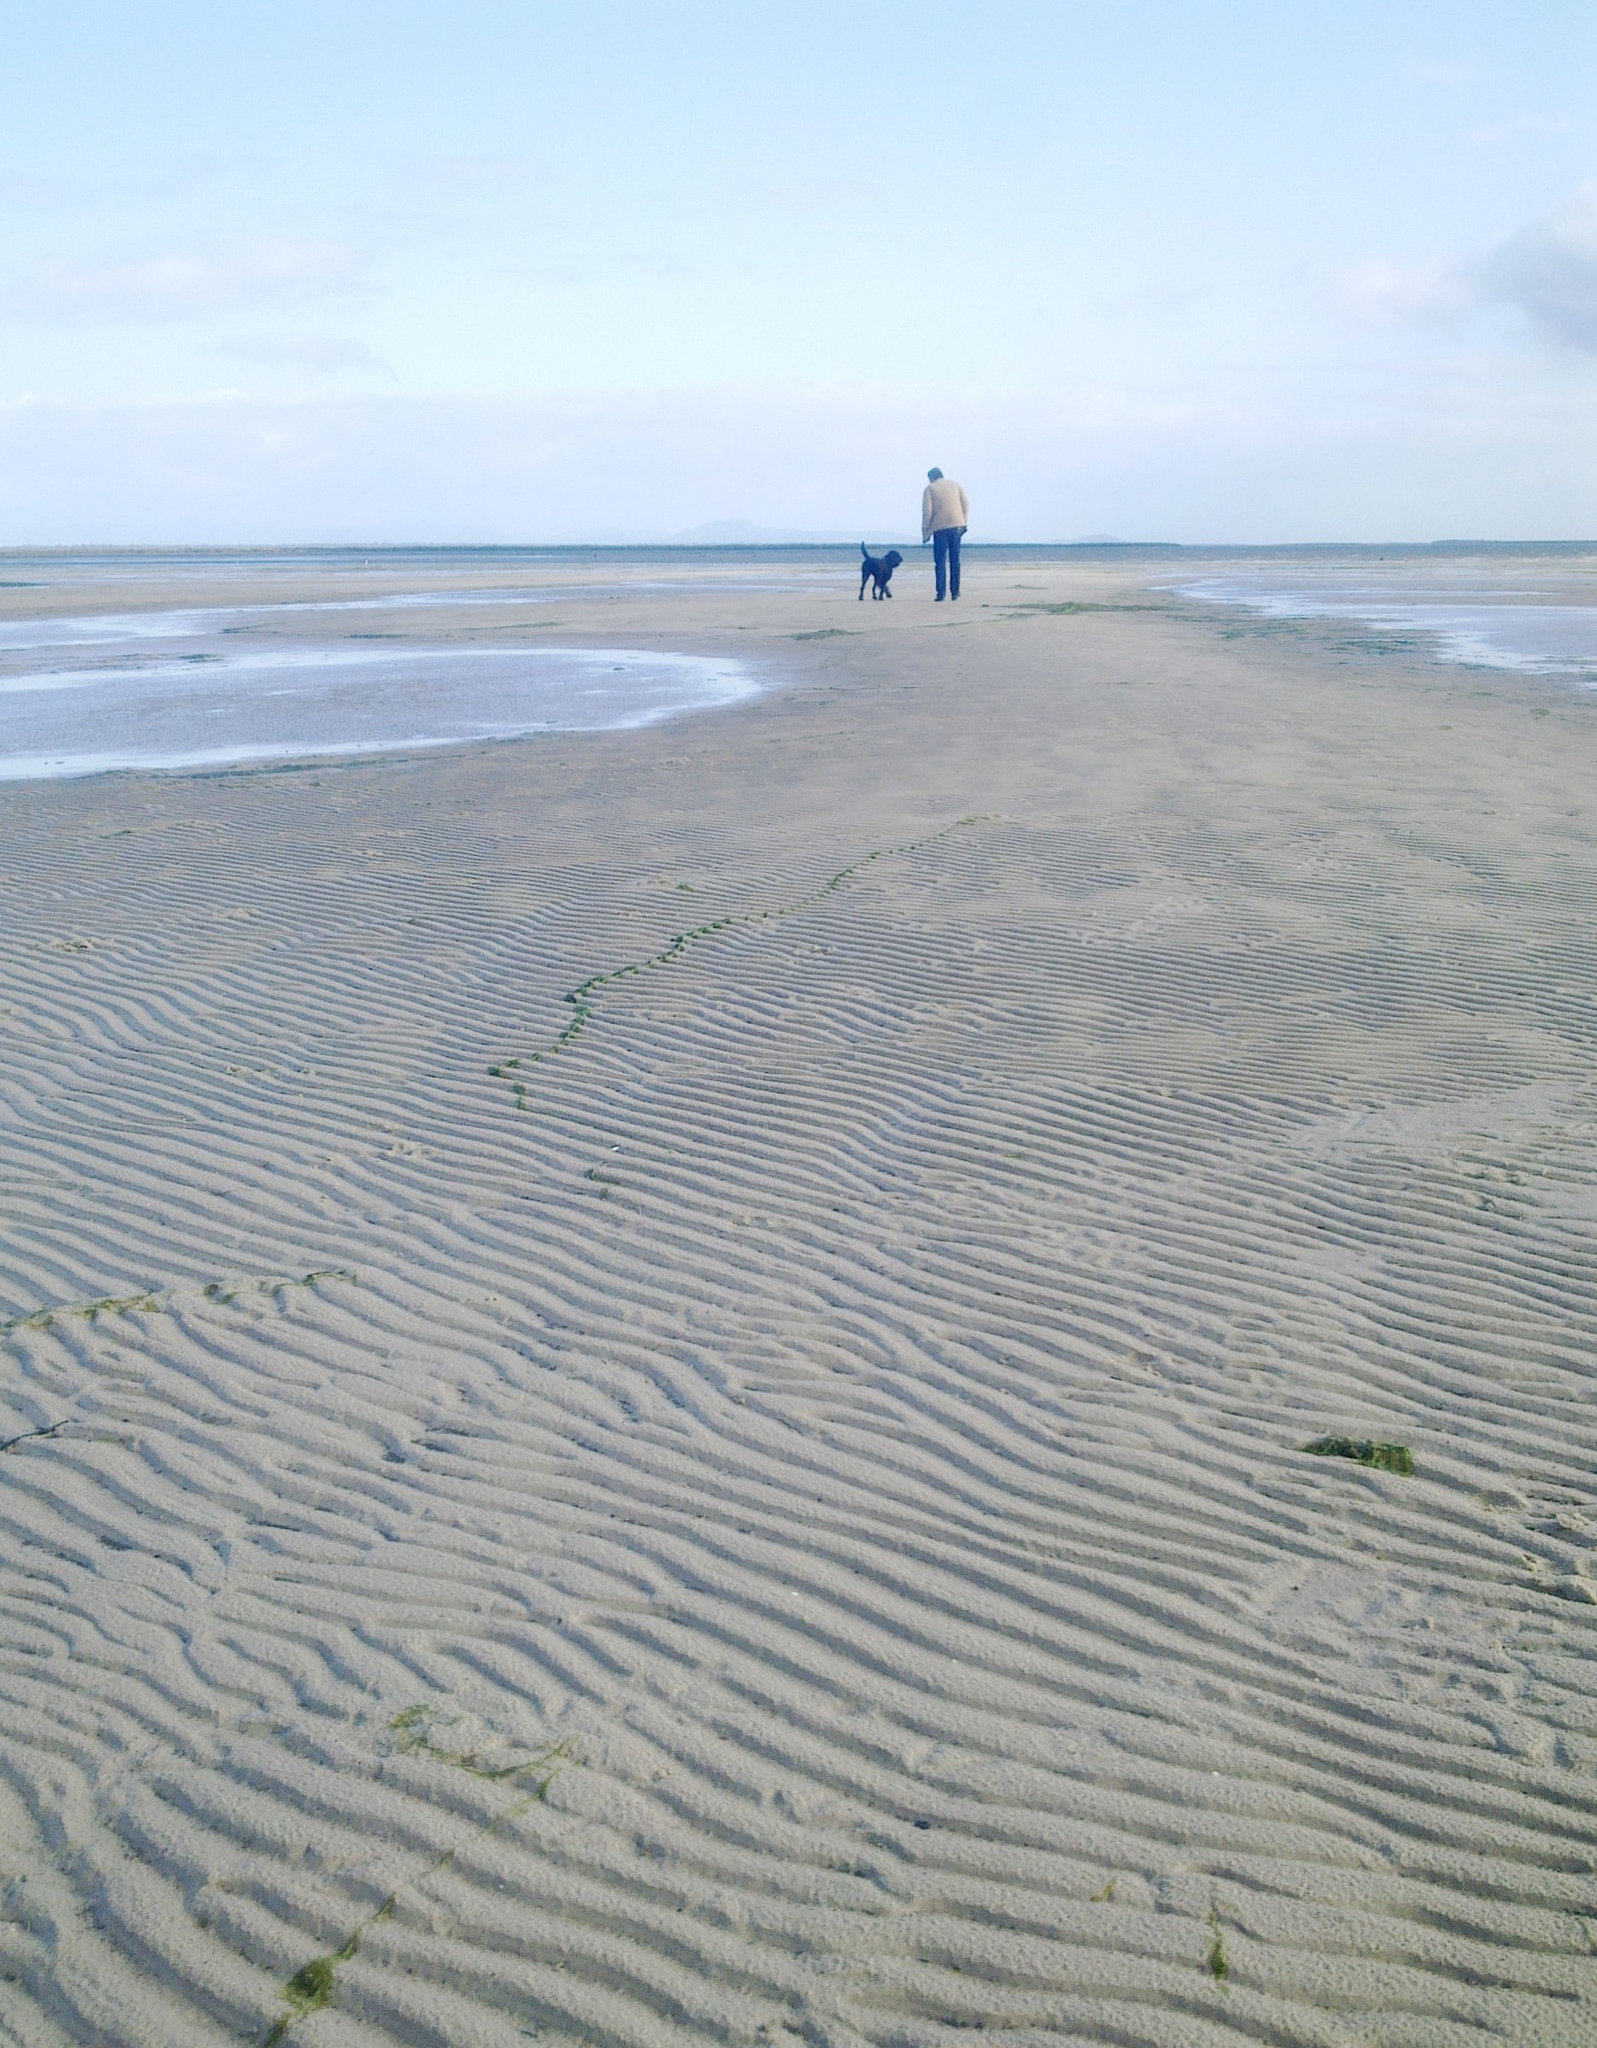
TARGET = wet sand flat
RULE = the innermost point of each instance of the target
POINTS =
(654, 1381)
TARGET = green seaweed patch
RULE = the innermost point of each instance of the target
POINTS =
(310, 1279)
(157, 1302)
(412, 1729)
(107, 1305)
(311, 1987)
(1364, 1450)
(1219, 1963)
(215, 1290)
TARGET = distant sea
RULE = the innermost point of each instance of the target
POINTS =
(151, 660)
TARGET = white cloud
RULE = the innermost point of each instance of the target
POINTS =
(1545, 271)
(185, 285)
(1479, 449)
(422, 178)
(1548, 272)
(1390, 292)
(134, 182)
(1520, 124)
(326, 355)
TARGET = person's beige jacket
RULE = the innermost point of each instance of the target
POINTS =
(944, 504)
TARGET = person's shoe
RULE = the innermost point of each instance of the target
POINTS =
(938, 598)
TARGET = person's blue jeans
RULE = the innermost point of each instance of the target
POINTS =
(945, 556)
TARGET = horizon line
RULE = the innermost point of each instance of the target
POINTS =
(1105, 546)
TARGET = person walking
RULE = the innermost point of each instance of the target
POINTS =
(944, 515)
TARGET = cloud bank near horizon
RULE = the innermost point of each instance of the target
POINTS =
(648, 466)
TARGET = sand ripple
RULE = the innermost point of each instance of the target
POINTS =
(797, 1532)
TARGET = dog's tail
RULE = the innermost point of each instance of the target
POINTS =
(865, 551)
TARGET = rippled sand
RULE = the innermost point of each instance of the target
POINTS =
(666, 1370)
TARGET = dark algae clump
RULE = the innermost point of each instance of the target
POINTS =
(1363, 1451)
(309, 1989)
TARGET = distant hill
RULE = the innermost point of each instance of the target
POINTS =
(744, 533)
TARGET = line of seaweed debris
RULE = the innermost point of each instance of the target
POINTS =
(580, 998)
(1364, 1451)
(311, 1987)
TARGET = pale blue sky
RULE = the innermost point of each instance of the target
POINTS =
(475, 271)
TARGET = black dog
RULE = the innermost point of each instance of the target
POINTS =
(878, 569)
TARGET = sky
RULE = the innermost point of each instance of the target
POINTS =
(477, 272)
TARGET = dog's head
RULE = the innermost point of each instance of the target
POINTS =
(891, 559)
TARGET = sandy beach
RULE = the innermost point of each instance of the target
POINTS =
(654, 1381)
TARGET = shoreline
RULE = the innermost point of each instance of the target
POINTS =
(782, 1513)
(474, 615)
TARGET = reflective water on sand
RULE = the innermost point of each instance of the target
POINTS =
(1530, 609)
(164, 685)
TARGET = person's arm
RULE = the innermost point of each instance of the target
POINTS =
(964, 506)
(926, 515)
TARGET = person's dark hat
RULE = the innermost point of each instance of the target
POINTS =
(933, 476)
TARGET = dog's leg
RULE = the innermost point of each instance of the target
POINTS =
(865, 577)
